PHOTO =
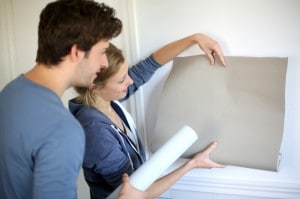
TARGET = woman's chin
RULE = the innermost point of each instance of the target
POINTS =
(123, 94)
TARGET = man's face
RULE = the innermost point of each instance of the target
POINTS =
(92, 63)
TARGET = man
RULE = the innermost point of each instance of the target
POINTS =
(41, 144)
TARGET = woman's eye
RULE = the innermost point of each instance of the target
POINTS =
(122, 81)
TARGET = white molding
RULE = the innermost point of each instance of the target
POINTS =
(7, 41)
(231, 181)
(130, 30)
(132, 54)
(286, 190)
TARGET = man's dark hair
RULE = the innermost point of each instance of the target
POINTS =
(64, 23)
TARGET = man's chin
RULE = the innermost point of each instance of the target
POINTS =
(85, 85)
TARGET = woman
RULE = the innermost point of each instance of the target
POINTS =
(112, 145)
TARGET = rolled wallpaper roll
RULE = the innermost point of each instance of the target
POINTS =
(163, 158)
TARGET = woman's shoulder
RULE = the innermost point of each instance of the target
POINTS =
(90, 116)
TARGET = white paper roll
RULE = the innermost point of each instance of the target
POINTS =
(162, 159)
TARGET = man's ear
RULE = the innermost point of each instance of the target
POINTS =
(76, 55)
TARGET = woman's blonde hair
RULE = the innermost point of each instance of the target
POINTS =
(115, 59)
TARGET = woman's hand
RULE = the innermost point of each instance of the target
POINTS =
(171, 50)
(128, 191)
(202, 159)
(210, 47)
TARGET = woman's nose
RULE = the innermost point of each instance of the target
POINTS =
(104, 62)
(129, 81)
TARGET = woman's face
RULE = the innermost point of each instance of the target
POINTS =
(116, 86)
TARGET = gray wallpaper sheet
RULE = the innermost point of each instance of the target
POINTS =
(241, 106)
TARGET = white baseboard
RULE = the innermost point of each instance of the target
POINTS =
(233, 181)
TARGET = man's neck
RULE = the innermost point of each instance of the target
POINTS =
(52, 78)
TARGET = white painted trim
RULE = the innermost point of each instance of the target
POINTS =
(7, 41)
(130, 30)
(286, 190)
(258, 184)
(132, 54)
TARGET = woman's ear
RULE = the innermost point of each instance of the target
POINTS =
(92, 86)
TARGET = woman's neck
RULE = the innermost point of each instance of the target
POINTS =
(106, 108)
(103, 105)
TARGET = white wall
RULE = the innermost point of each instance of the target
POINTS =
(243, 28)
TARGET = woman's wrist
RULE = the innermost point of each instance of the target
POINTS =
(191, 164)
